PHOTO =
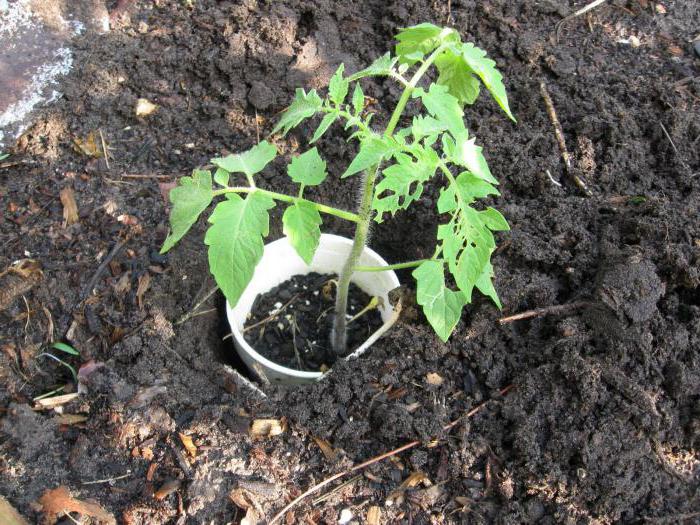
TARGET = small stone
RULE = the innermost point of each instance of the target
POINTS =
(345, 517)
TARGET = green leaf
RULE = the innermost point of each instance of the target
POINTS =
(301, 223)
(249, 162)
(457, 76)
(63, 347)
(466, 189)
(424, 126)
(372, 150)
(442, 306)
(3, 156)
(328, 119)
(338, 86)
(379, 68)
(485, 285)
(358, 99)
(494, 220)
(189, 200)
(308, 168)
(467, 241)
(485, 68)
(417, 41)
(221, 177)
(235, 240)
(304, 106)
(401, 184)
(444, 107)
(464, 152)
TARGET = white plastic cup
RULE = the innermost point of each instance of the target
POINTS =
(279, 263)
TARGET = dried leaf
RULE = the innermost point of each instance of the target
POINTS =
(127, 220)
(374, 515)
(70, 419)
(145, 107)
(51, 402)
(144, 283)
(165, 188)
(90, 147)
(166, 489)
(434, 379)
(411, 481)
(58, 502)
(8, 514)
(88, 368)
(262, 428)
(123, 285)
(70, 207)
(328, 451)
(17, 280)
(189, 445)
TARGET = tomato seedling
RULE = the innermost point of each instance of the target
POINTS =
(394, 164)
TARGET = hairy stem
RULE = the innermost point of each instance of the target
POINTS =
(399, 266)
(339, 333)
(328, 210)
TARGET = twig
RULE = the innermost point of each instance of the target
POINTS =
(578, 13)
(104, 149)
(559, 133)
(146, 176)
(340, 487)
(375, 459)
(675, 149)
(539, 312)
(103, 265)
(555, 182)
(107, 480)
(196, 307)
(257, 128)
(273, 315)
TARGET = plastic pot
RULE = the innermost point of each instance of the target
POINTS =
(279, 263)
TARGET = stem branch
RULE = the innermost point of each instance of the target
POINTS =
(348, 216)
(399, 266)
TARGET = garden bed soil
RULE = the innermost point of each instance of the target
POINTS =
(602, 422)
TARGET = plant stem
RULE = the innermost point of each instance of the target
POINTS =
(399, 266)
(348, 216)
(339, 333)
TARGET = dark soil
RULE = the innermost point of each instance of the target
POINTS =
(602, 424)
(291, 324)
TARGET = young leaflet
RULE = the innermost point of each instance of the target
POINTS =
(394, 163)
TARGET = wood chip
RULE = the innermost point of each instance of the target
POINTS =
(374, 515)
(328, 451)
(58, 502)
(434, 379)
(166, 489)
(189, 445)
(70, 419)
(51, 402)
(8, 514)
(263, 428)
(70, 207)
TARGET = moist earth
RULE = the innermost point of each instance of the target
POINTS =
(601, 423)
